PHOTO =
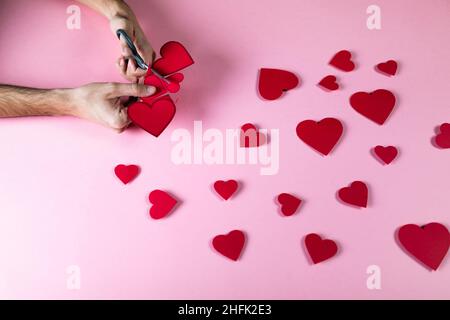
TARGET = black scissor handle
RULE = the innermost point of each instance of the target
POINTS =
(139, 61)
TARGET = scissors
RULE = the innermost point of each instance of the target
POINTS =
(136, 56)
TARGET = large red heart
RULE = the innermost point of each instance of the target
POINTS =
(356, 194)
(162, 202)
(273, 82)
(174, 57)
(386, 154)
(343, 61)
(126, 173)
(443, 138)
(389, 67)
(376, 105)
(230, 245)
(329, 83)
(226, 188)
(153, 118)
(289, 203)
(251, 137)
(429, 244)
(320, 249)
(322, 135)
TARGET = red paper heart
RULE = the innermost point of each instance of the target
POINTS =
(273, 82)
(356, 194)
(230, 245)
(153, 118)
(152, 79)
(251, 137)
(386, 154)
(376, 105)
(428, 244)
(320, 249)
(322, 135)
(329, 83)
(389, 67)
(126, 173)
(289, 203)
(174, 57)
(163, 203)
(443, 138)
(343, 61)
(163, 85)
(226, 188)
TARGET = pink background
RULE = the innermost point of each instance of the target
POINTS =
(61, 205)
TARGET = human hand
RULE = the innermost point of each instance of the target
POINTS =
(127, 66)
(121, 16)
(104, 103)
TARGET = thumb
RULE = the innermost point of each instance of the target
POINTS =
(131, 90)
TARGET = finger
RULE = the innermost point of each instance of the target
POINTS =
(143, 46)
(122, 65)
(131, 69)
(126, 52)
(134, 73)
(124, 120)
(130, 89)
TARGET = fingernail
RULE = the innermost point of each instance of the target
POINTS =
(151, 90)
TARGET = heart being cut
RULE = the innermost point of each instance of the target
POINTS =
(174, 57)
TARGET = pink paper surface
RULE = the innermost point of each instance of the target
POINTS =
(61, 204)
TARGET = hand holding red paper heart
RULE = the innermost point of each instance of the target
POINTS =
(154, 113)
(101, 102)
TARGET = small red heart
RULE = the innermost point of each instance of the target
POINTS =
(389, 67)
(162, 202)
(443, 138)
(152, 79)
(386, 154)
(126, 173)
(174, 57)
(273, 82)
(226, 188)
(289, 203)
(343, 61)
(428, 244)
(174, 80)
(251, 137)
(320, 249)
(329, 83)
(322, 135)
(163, 85)
(376, 105)
(153, 118)
(230, 245)
(356, 194)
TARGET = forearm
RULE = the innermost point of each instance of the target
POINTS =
(21, 101)
(110, 8)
